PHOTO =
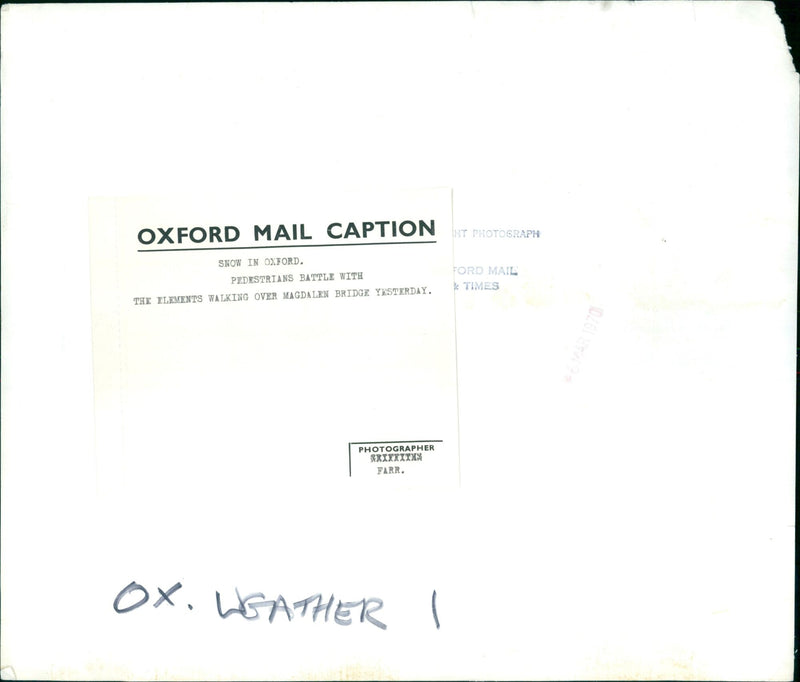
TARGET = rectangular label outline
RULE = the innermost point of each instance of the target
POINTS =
(377, 442)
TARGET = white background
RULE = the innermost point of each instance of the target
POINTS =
(634, 522)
